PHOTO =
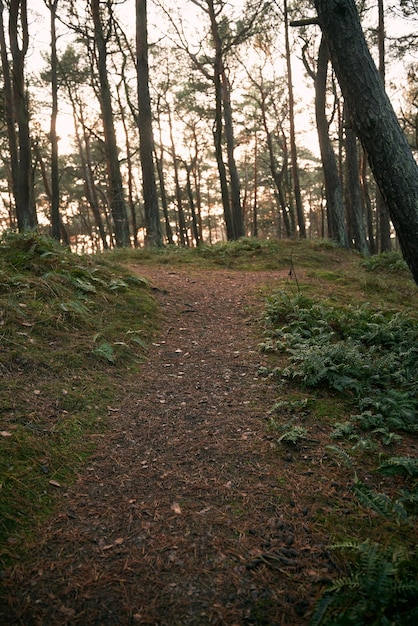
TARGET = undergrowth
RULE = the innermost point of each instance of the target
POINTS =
(369, 358)
(69, 326)
(380, 588)
(244, 254)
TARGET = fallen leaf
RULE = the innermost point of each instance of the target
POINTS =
(176, 508)
(5, 433)
(54, 483)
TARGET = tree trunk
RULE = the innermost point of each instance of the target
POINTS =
(55, 192)
(218, 139)
(277, 176)
(184, 237)
(255, 197)
(9, 107)
(159, 160)
(129, 165)
(47, 187)
(217, 136)
(293, 151)
(367, 203)
(116, 195)
(87, 169)
(195, 228)
(236, 208)
(146, 144)
(374, 120)
(333, 188)
(382, 210)
(19, 42)
(353, 194)
(197, 183)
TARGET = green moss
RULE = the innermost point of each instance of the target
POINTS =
(56, 308)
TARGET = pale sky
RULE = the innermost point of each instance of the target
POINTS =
(40, 40)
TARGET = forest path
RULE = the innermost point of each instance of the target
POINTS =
(184, 515)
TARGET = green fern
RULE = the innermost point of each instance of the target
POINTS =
(373, 355)
(400, 466)
(293, 435)
(344, 430)
(290, 432)
(379, 502)
(386, 261)
(380, 589)
(105, 351)
(289, 406)
(341, 455)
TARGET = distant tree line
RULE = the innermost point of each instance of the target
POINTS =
(190, 130)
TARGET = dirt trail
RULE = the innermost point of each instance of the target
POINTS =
(181, 517)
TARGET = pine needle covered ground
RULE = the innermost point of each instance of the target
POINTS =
(188, 448)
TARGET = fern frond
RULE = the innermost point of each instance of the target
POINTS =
(341, 454)
(379, 502)
(400, 466)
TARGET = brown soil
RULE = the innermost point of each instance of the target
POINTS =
(186, 514)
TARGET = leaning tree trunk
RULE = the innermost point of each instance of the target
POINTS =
(374, 120)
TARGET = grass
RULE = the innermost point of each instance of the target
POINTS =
(69, 325)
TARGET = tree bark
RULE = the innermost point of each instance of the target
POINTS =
(55, 192)
(356, 224)
(218, 72)
(116, 200)
(217, 136)
(159, 160)
(374, 120)
(333, 187)
(146, 139)
(236, 208)
(293, 150)
(19, 42)
(195, 228)
(184, 237)
(382, 211)
(8, 106)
